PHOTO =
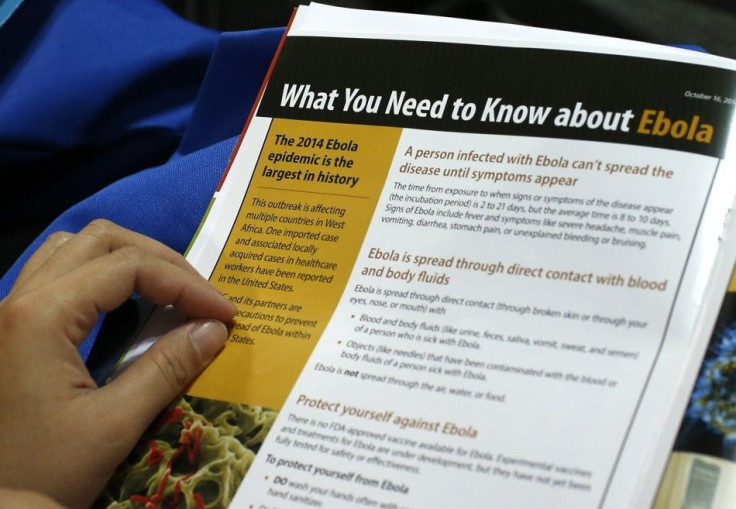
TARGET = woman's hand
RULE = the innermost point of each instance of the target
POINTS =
(60, 434)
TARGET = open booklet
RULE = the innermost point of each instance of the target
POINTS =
(475, 265)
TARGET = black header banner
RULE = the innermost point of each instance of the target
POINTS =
(500, 90)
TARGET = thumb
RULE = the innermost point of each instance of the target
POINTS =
(22, 499)
(164, 371)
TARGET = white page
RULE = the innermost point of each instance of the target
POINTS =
(532, 419)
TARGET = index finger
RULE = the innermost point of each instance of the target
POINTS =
(52, 244)
(105, 282)
(97, 239)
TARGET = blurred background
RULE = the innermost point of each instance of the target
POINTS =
(710, 24)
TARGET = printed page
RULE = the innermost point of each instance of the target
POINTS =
(483, 339)
(508, 298)
(465, 272)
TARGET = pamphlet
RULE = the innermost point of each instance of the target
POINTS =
(475, 264)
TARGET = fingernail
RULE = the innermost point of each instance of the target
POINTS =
(208, 338)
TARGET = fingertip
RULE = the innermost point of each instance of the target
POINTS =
(223, 296)
(233, 310)
(229, 310)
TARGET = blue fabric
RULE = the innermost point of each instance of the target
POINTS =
(91, 91)
(119, 110)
